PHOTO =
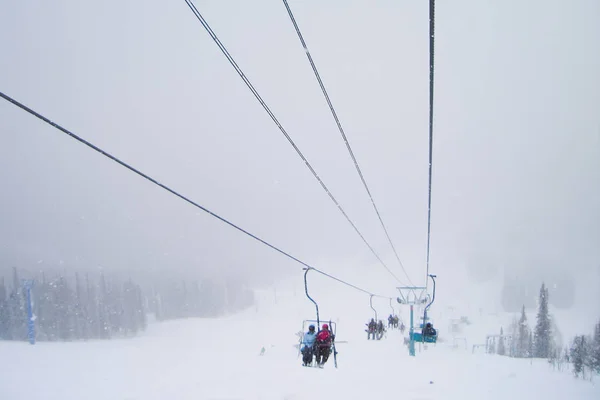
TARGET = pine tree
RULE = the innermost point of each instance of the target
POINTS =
(64, 309)
(595, 351)
(554, 358)
(103, 310)
(514, 331)
(80, 310)
(42, 309)
(16, 315)
(579, 355)
(93, 315)
(523, 342)
(15, 310)
(16, 280)
(3, 291)
(4, 320)
(492, 346)
(567, 354)
(543, 335)
(501, 350)
(141, 309)
(115, 308)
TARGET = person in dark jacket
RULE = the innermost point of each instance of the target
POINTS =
(429, 330)
(371, 329)
(380, 330)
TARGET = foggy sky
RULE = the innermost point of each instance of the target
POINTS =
(516, 147)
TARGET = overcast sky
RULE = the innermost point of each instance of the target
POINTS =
(516, 148)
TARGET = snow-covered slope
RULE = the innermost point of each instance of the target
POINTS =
(219, 359)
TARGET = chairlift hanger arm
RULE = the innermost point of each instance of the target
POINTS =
(372, 308)
(433, 298)
(308, 295)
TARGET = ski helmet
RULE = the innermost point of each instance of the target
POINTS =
(325, 327)
(311, 328)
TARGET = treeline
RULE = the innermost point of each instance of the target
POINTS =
(544, 342)
(208, 298)
(72, 308)
(523, 342)
(585, 353)
(88, 306)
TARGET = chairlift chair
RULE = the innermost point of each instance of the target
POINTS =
(307, 322)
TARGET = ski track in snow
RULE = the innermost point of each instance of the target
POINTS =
(219, 359)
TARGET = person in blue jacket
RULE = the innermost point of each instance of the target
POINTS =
(308, 342)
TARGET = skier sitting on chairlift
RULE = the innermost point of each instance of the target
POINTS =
(391, 321)
(308, 342)
(323, 345)
(380, 327)
(371, 328)
(429, 330)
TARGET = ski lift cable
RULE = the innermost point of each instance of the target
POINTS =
(431, 86)
(173, 192)
(339, 125)
(282, 129)
(349, 284)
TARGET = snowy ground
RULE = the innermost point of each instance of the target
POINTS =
(219, 359)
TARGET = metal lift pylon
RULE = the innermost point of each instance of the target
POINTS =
(412, 295)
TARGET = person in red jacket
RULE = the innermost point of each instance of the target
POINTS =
(323, 345)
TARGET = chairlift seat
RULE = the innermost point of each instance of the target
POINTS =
(419, 337)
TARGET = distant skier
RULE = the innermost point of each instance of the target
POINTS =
(371, 328)
(402, 327)
(395, 322)
(323, 345)
(308, 342)
(391, 321)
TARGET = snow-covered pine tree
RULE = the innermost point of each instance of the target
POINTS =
(501, 349)
(561, 358)
(141, 311)
(15, 310)
(522, 340)
(595, 356)
(565, 358)
(103, 309)
(530, 345)
(492, 346)
(553, 359)
(514, 331)
(79, 309)
(581, 355)
(92, 312)
(542, 336)
(578, 355)
(4, 316)
(63, 307)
